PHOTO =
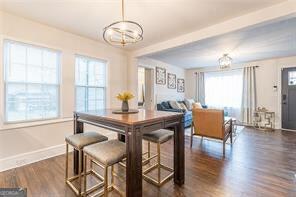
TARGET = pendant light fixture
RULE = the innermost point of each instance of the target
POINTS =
(123, 32)
(225, 61)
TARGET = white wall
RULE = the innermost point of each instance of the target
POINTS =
(162, 92)
(19, 139)
(268, 75)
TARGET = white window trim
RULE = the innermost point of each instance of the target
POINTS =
(59, 54)
(89, 86)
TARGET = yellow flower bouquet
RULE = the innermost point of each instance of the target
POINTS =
(125, 97)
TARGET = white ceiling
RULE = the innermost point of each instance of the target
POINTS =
(161, 19)
(263, 41)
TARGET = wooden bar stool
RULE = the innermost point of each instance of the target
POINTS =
(158, 137)
(78, 142)
(105, 155)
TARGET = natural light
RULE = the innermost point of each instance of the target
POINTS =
(223, 90)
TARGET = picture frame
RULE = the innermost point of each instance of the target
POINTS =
(172, 79)
(180, 85)
(160, 76)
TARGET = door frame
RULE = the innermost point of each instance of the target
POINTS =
(152, 82)
(279, 87)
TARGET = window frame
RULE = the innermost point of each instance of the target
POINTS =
(6, 83)
(88, 58)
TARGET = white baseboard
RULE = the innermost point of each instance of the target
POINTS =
(31, 157)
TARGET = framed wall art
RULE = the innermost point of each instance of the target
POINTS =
(180, 85)
(172, 81)
(160, 76)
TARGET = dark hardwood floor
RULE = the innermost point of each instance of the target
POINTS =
(258, 164)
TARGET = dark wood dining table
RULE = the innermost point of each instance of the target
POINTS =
(132, 127)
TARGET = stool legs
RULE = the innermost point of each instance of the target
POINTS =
(79, 172)
(148, 150)
(106, 182)
(84, 172)
(157, 166)
(67, 158)
(158, 162)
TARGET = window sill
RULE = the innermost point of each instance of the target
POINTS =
(33, 124)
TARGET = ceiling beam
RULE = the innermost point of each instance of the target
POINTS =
(270, 13)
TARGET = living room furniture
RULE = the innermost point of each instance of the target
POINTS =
(133, 126)
(264, 119)
(211, 123)
(105, 155)
(187, 114)
(78, 142)
(157, 137)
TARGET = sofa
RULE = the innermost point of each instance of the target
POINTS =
(187, 114)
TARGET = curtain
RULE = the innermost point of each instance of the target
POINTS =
(201, 88)
(249, 98)
(223, 90)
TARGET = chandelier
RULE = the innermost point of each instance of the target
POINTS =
(123, 32)
(225, 61)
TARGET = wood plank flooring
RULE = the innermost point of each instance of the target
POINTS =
(258, 164)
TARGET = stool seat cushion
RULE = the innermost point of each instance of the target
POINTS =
(159, 136)
(107, 153)
(83, 139)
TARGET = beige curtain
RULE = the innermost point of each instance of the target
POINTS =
(201, 87)
(249, 96)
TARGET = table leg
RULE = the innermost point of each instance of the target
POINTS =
(179, 160)
(134, 162)
(78, 128)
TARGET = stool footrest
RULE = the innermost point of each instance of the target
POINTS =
(84, 175)
(154, 181)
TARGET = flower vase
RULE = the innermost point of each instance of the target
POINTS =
(124, 106)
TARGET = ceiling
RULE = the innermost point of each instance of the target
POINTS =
(263, 41)
(161, 19)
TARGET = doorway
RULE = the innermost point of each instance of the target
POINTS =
(289, 98)
(145, 88)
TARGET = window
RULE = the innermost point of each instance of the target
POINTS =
(31, 82)
(223, 90)
(90, 77)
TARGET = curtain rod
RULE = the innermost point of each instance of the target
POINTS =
(225, 69)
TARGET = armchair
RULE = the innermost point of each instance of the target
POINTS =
(212, 124)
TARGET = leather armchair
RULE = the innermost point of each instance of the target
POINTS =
(212, 124)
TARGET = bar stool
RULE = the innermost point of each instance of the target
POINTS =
(158, 137)
(78, 142)
(105, 154)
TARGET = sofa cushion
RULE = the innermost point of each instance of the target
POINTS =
(189, 103)
(166, 105)
(183, 106)
(175, 105)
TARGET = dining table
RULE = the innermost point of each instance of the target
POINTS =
(130, 129)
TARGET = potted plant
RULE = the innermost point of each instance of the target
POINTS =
(125, 97)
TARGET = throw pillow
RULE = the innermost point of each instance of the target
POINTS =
(196, 106)
(175, 105)
(189, 103)
(183, 106)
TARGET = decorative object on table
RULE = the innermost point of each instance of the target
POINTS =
(123, 32)
(172, 81)
(160, 76)
(225, 61)
(263, 119)
(180, 85)
(125, 97)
